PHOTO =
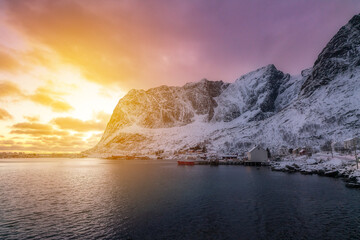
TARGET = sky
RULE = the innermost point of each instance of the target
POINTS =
(65, 64)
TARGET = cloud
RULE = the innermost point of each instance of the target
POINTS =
(43, 95)
(50, 98)
(41, 137)
(38, 146)
(112, 43)
(48, 143)
(7, 142)
(7, 62)
(78, 36)
(32, 118)
(69, 123)
(36, 129)
(139, 45)
(64, 141)
(33, 126)
(8, 88)
(4, 115)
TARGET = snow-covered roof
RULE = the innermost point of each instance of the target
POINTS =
(256, 148)
(351, 139)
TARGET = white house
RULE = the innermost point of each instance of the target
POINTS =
(257, 154)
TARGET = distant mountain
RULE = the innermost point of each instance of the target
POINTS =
(266, 107)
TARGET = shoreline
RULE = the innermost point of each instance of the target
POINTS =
(339, 166)
(336, 167)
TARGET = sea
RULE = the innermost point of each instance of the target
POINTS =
(90, 198)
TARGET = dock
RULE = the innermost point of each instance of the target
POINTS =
(233, 162)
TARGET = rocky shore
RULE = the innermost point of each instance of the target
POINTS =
(339, 166)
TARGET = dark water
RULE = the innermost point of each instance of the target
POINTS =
(94, 198)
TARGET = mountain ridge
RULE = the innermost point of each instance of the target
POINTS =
(265, 107)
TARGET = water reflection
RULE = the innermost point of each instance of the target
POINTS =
(96, 198)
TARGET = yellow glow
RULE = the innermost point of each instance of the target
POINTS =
(62, 84)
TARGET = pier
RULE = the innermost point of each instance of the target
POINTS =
(220, 162)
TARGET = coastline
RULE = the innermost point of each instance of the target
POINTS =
(339, 166)
(322, 164)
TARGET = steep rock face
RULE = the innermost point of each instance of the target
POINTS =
(164, 106)
(252, 96)
(161, 116)
(340, 55)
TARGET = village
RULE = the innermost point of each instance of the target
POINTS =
(261, 156)
(332, 159)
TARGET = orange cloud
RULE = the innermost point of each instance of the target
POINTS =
(4, 115)
(62, 141)
(69, 123)
(36, 129)
(32, 118)
(8, 88)
(38, 146)
(7, 62)
(44, 96)
(33, 126)
(48, 98)
(78, 36)
(7, 142)
(48, 143)
(131, 48)
(45, 138)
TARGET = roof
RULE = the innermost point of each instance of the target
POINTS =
(256, 148)
(351, 139)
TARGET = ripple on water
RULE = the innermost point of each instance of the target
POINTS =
(95, 198)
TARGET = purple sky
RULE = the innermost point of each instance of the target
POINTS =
(142, 44)
(235, 37)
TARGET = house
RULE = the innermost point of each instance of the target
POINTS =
(283, 151)
(257, 155)
(352, 143)
(338, 147)
(296, 151)
(303, 152)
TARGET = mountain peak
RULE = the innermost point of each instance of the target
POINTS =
(355, 20)
(266, 68)
(340, 55)
(261, 74)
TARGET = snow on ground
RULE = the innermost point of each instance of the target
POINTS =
(322, 164)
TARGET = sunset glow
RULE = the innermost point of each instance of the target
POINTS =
(64, 65)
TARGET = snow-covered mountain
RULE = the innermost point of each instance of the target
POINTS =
(266, 107)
